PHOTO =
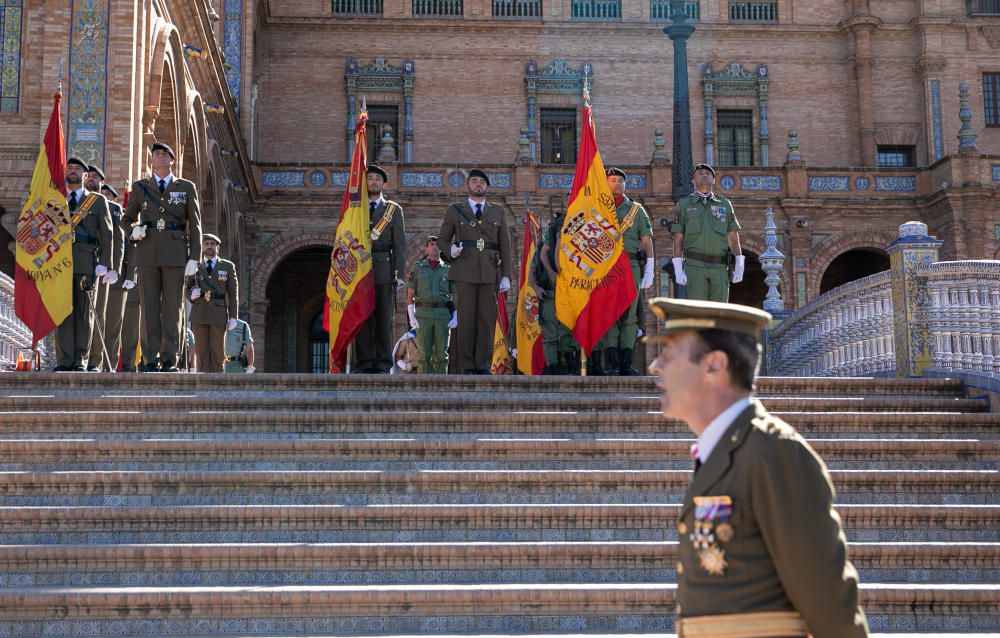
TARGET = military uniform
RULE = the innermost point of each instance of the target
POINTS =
(705, 225)
(432, 296)
(92, 240)
(212, 309)
(562, 354)
(373, 344)
(110, 298)
(173, 237)
(235, 347)
(476, 272)
(619, 341)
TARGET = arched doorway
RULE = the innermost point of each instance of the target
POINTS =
(295, 293)
(319, 346)
(851, 266)
(752, 290)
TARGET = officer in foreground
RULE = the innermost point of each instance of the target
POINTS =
(762, 551)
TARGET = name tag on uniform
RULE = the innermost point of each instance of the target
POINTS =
(692, 209)
(178, 198)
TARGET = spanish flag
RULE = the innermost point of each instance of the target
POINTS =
(530, 356)
(350, 286)
(501, 363)
(43, 273)
(594, 284)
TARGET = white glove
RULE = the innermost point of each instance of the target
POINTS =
(400, 283)
(647, 274)
(682, 279)
(504, 284)
(513, 352)
(128, 284)
(100, 271)
(411, 312)
(404, 365)
(111, 277)
(191, 268)
(456, 250)
(138, 232)
(230, 324)
(251, 369)
(454, 321)
(738, 271)
(195, 293)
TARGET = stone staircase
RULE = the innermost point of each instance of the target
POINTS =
(289, 505)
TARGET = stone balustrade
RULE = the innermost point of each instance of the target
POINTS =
(964, 315)
(846, 332)
(13, 334)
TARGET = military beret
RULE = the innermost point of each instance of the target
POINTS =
(79, 162)
(615, 171)
(478, 173)
(378, 170)
(160, 146)
(679, 315)
(706, 167)
(93, 169)
(110, 189)
(210, 236)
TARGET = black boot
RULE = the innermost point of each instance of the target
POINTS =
(626, 368)
(612, 360)
(552, 368)
(594, 364)
(573, 363)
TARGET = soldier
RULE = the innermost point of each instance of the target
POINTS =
(98, 346)
(119, 292)
(239, 349)
(373, 344)
(706, 235)
(430, 309)
(479, 254)
(618, 343)
(762, 552)
(215, 299)
(562, 354)
(92, 255)
(166, 226)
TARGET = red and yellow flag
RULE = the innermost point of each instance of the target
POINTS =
(43, 274)
(502, 362)
(530, 355)
(350, 286)
(594, 284)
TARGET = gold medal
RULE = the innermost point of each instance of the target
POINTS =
(713, 560)
(724, 532)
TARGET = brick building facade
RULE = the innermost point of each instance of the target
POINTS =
(870, 89)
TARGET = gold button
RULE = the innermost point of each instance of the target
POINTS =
(678, 610)
(680, 568)
(682, 528)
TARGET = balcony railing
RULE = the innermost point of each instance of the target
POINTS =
(983, 7)
(363, 8)
(437, 8)
(660, 9)
(597, 10)
(755, 12)
(517, 9)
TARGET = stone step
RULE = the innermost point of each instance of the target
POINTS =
(299, 424)
(646, 400)
(223, 383)
(103, 611)
(142, 488)
(402, 563)
(481, 454)
(448, 524)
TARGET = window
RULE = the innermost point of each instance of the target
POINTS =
(597, 10)
(10, 55)
(756, 12)
(523, 9)
(978, 8)
(379, 117)
(660, 9)
(735, 138)
(896, 155)
(357, 7)
(437, 8)
(558, 136)
(991, 96)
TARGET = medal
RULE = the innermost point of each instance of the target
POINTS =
(724, 531)
(713, 560)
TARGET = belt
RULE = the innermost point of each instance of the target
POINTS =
(83, 239)
(708, 259)
(761, 624)
(481, 244)
(381, 252)
(231, 358)
(431, 304)
(161, 224)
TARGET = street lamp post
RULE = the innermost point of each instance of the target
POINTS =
(679, 31)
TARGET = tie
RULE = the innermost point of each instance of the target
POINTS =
(163, 185)
(372, 206)
(72, 201)
(479, 211)
(209, 266)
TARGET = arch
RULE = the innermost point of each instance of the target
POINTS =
(167, 61)
(277, 249)
(196, 140)
(852, 265)
(839, 244)
(165, 126)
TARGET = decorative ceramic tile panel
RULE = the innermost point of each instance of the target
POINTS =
(896, 183)
(422, 180)
(829, 183)
(11, 21)
(760, 182)
(86, 106)
(275, 179)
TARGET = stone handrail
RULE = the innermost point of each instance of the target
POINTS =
(847, 331)
(964, 315)
(14, 335)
